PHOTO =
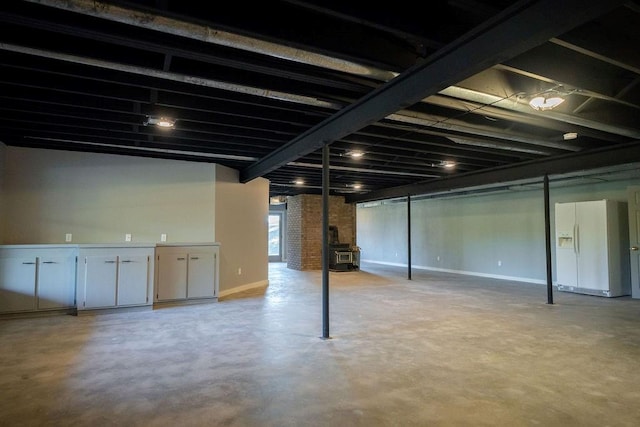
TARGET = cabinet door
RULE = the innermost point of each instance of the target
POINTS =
(133, 280)
(593, 271)
(56, 281)
(566, 257)
(100, 281)
(201, 275)
(17, 284)
(172, 276)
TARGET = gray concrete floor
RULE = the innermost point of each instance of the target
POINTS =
(439, 350)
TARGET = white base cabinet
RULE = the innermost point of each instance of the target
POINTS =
(105, 276)
(37, 277)
(113, 277)
(186, 272)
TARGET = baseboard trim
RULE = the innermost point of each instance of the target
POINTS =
(181, 302)
(38, 313)
(111, 310)
(246, 287)
(466, 273)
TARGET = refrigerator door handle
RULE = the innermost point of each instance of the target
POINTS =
(576, 238)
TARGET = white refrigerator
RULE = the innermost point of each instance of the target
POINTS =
(592, 248)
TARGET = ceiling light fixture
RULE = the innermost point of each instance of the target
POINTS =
(545, 102)
(356, 154)
(448, 164)
(298, 181)
(160, 121)
(569, 135)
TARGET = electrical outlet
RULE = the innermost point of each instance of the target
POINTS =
(239, 271)
(127, 237)
(438, 258)
(499, 263)
(163, 237)
(68, 237)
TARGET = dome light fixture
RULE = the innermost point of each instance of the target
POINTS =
(546, 101)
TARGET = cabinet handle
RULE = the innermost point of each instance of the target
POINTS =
(109, 262)
(29, 263)
(126, 260)
(181, 259)
(49, 262)
(195, 257)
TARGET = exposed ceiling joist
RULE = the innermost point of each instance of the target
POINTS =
(532, 169)
(85, 75)
(517, 29)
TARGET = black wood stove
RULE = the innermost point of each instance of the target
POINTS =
(342, 256)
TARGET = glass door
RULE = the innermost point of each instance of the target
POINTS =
(275, 236)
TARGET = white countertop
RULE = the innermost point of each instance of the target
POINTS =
(116, 245)
(188, 244)
(104, 245)
(41, 246)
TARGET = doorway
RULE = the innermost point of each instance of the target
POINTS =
(633, 193)
(276, 236)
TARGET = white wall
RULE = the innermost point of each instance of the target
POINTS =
(242, 229)
(98, 198)
(472, 234)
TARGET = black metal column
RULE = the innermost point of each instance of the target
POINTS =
(409, 237)
(547, 231)
(325, 241)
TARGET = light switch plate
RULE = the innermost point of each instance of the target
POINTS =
(163, 237)
(127, 237)
(68, 237)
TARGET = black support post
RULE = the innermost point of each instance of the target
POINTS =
(409, 237)
(325, 241)
(547, 230)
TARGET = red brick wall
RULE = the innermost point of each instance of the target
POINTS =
(304, 228)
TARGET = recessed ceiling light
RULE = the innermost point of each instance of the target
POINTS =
(570, 135)
(160, 121)
(357, 186)
(447, 164)
(298, 181)
(356, 154)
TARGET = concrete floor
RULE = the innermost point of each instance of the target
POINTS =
(439, 350)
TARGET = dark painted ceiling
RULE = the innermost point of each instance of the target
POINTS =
(262, 87)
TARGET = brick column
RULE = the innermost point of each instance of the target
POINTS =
(304, 228)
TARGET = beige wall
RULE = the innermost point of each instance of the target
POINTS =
(100, 197)
(242, 212)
